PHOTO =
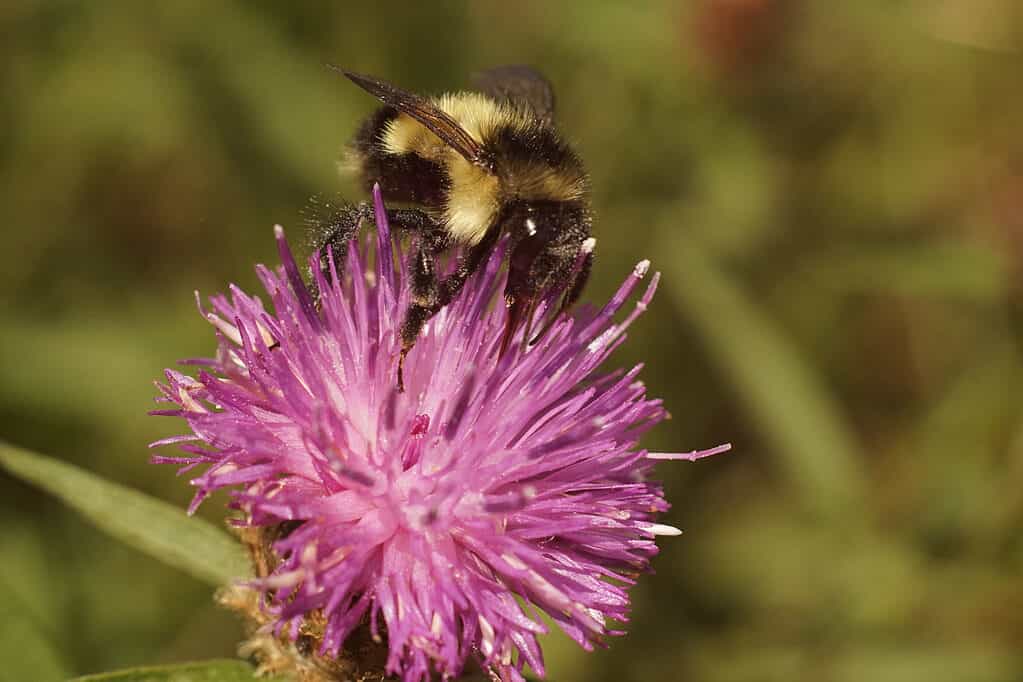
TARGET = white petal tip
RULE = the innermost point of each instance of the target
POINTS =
(278, 231)
(642, 268)
(588, 245)
(663, 529)
(690, 456)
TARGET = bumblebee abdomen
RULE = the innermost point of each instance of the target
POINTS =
(537, 165)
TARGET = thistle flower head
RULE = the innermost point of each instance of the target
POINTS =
(446, 517)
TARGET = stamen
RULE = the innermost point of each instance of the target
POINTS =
(225, 328)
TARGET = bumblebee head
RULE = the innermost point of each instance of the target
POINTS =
(551, 255)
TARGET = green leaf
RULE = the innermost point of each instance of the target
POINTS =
(205, 671)
(159, 529)
(783, 393)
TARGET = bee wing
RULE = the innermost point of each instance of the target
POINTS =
(521, 86)
(424, 111)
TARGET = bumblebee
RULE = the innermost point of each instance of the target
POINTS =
(474, 166)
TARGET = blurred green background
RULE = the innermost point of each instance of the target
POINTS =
(833, 191)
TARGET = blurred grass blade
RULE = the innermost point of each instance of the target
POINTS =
(148, 524)
(29, 652)
(206, 671)
(951, 270)
(782, 392)
(973, 414)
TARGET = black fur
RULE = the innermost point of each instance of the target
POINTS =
(535, 145)
(406, 178)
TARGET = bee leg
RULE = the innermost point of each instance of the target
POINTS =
(570, 297)
(429, 294)
(333, 229)
(425, 298)
(339, 224)
(415, 220)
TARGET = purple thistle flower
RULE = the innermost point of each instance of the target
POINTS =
(448, 515)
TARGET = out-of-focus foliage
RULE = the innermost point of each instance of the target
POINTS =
(209, 671)
(834, 192)
(153, 526)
